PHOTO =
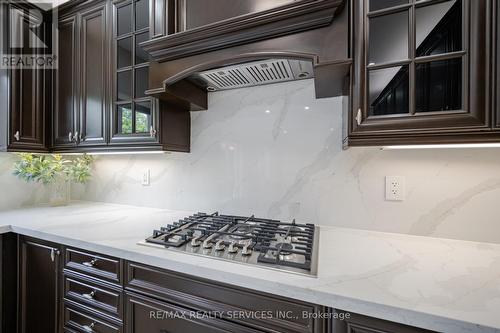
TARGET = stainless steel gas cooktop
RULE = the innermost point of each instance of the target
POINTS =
(249, 240)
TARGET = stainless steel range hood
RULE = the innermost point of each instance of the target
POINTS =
(297, 40)
(255, 73)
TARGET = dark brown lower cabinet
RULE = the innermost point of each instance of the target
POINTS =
(146, 315)
(39, 272)
(354, 323)
(89, 292)
(76, 320)
(8, 283)
(261, 311)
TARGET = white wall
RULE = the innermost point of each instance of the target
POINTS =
(289, 164)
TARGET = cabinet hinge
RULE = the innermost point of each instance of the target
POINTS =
(152, 132)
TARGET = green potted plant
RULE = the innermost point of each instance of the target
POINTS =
(55, 172)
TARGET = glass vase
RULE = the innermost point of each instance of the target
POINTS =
(59, 192)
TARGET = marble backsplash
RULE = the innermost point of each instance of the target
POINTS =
(14, 192)
(275, 151)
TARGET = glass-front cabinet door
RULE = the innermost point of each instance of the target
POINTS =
(134, 117)
(420, 66)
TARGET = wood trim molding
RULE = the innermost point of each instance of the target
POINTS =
(287, 19)
(423, 138)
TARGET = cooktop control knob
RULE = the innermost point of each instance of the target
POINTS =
(195, 242)
(207, 244)
(246, 251)
(219, 246)
(232, 248)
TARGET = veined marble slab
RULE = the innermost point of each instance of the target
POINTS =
(438, 284)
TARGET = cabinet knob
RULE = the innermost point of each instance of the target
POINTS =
(152, 132)
(70, 136)
(17, 136)
(90, 263)
(89, 328)
(90, 295)
(75, 137)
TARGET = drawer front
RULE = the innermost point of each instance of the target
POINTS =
(92, 294)
(355, 323)
(98, 265)
(238, 305)
(146, 315)
(79, 321)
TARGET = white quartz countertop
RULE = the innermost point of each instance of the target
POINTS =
(438, 284)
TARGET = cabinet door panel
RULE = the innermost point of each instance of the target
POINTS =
(65, 87)
(28, 88)
(38, 296)
(134, 116)
(94, 73)
(27, 109)
(197, 13)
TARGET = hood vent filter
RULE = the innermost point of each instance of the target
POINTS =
(256, 73)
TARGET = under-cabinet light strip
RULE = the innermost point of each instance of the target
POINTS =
(147, 152)
(444, 146)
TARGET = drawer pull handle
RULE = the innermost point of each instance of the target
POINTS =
(89, 328)
(53, 254)
(90, 263)
(90, 295)
(359, 117)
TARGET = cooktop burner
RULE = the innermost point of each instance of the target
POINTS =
(250, 240)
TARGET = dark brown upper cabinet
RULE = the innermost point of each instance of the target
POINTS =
(28, 87)
(82, 84)
(94, 66)
(100, 84)
(65, 85)
(496, 75)
(159, 22)
(420, 71)
(134, 117)
(198, 13)
(173, 16)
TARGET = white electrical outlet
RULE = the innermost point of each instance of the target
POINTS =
(146, 177)
(394, 188)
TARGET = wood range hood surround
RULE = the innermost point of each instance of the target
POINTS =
(308, 30)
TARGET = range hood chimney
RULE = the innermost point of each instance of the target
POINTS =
(302, 39)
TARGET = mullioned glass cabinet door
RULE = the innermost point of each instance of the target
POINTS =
(135, 115)
(420, 66)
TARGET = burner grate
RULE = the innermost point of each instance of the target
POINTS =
(266, 242)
